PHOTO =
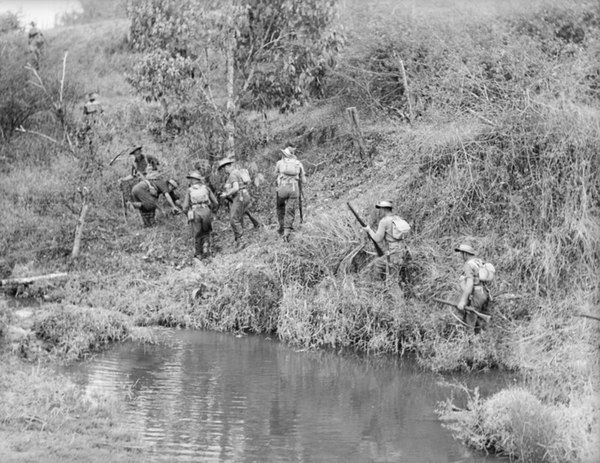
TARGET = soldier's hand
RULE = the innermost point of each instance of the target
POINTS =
(461, 305)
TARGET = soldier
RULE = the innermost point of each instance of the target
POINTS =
(146, 193)
(142, 164)
(290, 179)
(36, 42)
(390, 234)
(198, 204)
(475, 293)
(235, 191)
(92, 108)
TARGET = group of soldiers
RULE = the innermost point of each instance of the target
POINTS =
(200, 202)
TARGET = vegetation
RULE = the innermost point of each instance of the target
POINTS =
(482, 131)
(38, 405)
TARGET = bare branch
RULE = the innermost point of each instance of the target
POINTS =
(23, 130)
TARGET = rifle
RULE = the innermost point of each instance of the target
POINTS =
(300, 201)
(121, 153)
(484, 317)
(363, 224)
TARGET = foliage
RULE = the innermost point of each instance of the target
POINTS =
(9, 22)
(18, 101)
(285, 50)
(74, 332)
(504, 424)
(280, 53)
(45, 413)
(161, 74)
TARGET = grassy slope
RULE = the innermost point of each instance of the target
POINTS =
(160, 290)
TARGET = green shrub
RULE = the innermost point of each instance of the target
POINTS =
(74, 332)
(515, 423)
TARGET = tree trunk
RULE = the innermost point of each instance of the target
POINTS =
(230, 111)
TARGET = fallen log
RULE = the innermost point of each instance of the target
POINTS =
(30, 280)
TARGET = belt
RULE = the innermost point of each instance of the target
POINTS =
(199, 205)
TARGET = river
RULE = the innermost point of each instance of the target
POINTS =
(212, 397)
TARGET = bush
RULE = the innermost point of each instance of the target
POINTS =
(74, 332)
(9, 22)
(515, 423)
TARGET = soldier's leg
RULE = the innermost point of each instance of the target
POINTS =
(281, 200)
(290, 210)
(196, 225)
(479, 301)
(206, 228)
(379, 268)
(236, 213)
(147, 216)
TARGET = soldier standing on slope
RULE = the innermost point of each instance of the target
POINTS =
(236, 191)
(36, 41)
(390, 234)
(198, 204)
(290, 178)
(475, 292)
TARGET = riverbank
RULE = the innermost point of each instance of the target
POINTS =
(45, 417)
(499, 152)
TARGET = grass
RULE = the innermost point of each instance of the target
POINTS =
(40, 411)
(499, 152)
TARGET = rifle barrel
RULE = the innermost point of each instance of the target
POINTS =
(468, 309)
(363, 224)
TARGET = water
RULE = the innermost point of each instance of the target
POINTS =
(213, 397)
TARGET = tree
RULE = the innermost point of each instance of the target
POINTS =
(18, 101)
(273, 53)
(9, 22)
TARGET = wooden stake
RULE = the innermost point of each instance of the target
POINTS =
(354, 122)
(406, 92)
(80, 223)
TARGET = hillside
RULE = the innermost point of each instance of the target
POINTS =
(492, 141)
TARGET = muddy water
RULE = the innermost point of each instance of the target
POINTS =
(205, 396)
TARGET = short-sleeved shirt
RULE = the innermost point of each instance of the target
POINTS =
(471, 270)
(142, 162)
(235, 176)
(385, 233)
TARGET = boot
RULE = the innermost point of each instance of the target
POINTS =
(206, 250)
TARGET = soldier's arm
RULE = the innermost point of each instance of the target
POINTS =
(235, 187)
(467, 290)
(379, 234)
(186, 202)
(171, 202)
(212, 198)
(302, 174)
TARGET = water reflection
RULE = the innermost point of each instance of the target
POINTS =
(213, 397)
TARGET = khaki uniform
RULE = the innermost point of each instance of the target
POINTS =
(479, 297)
(36, 44)
(200, 217)
(145, 196)
(288, 194)
(396, 252)
(240, 202)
